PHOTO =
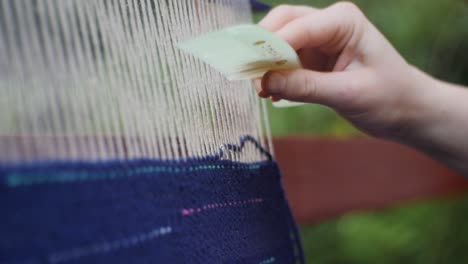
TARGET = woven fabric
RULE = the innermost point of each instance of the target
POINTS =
(259, 6)
(197, 211)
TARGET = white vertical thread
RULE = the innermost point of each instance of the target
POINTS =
(104, 80)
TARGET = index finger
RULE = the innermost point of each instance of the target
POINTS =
(283, 14)
(329, 29)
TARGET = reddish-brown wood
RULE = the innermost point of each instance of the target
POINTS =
(325, 178)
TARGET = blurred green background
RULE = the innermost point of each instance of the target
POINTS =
(433, 35)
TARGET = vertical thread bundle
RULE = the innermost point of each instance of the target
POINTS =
(102, 80)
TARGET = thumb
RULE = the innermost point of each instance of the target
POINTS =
(334, 89)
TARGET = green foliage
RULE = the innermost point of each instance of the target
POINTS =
(432, 35)
(426, 233)
(309, 119)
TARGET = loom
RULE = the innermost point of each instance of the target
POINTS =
(116, 147)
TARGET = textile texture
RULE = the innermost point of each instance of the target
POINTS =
(197, 211)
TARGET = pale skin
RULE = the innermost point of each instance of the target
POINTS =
(351, 67)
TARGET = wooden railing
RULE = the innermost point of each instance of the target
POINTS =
(326, 178)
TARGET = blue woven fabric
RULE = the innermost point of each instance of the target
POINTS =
(259, 6)
(198, 211)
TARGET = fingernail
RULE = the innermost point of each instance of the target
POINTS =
(263, 94)
(273, 82)
(258, 84)
(275, 99)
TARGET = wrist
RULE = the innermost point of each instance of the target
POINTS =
(413, 105)
(435, 119)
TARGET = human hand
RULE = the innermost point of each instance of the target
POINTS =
(348, 65)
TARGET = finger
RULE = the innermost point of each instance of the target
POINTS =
(313, 59)
(283, 14)
(330, 29)
(334, 89)
(275, 99)
(257, 84)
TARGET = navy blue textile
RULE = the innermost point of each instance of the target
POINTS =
(146, 211)
(259, 6)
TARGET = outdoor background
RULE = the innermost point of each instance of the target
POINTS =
(432, 34)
